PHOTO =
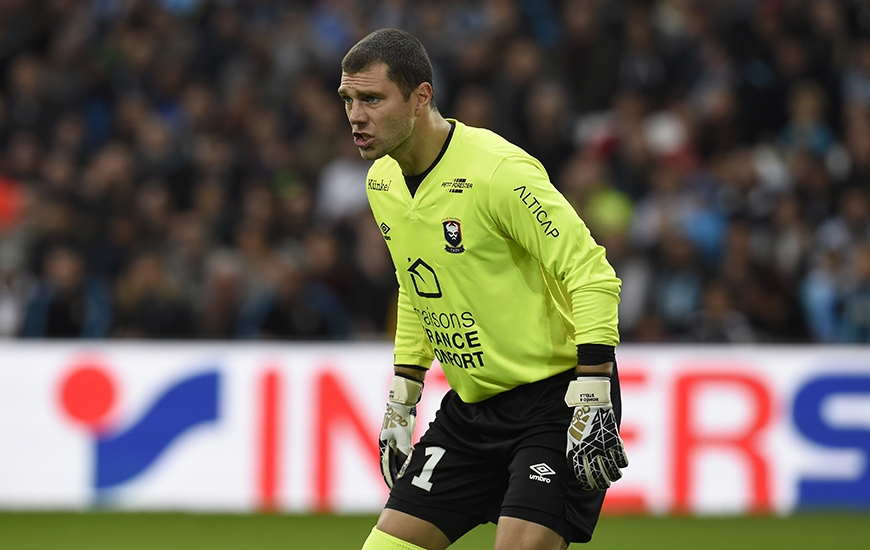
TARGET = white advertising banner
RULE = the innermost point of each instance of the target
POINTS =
(293, 427)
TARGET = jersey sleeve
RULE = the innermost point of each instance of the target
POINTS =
(531, 211)
(411, 345)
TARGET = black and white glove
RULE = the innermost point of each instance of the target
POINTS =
(595, 450)
(398, 428)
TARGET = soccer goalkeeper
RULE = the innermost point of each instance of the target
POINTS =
(499, 280)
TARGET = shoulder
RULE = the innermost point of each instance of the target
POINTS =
(385, 165)
(487, 150)
(381, 177)
(480, 141)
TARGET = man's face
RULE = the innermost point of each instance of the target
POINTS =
(380, 117)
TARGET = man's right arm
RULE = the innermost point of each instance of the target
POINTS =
(412, 347)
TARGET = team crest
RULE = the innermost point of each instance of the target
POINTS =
(453, 236)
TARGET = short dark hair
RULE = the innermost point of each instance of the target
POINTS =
(406, 59)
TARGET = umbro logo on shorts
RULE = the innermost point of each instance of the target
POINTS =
(541, 470)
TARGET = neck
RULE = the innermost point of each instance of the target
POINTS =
(424, 145)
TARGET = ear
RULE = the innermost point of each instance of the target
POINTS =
(423, 95)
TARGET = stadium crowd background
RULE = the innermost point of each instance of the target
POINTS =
(184, 168)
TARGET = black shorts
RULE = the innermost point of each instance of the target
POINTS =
(504, 456)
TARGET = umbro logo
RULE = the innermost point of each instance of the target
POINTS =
(385, 229)
(458, 185)
(541, 470)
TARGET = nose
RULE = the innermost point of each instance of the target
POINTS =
(356, 113)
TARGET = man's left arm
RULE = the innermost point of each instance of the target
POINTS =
(545, 224)
(537, 216)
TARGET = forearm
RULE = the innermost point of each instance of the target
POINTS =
(411, 371)
(603, 369)
(595, 359)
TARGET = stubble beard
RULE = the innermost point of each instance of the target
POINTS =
(369, 154)
(399, 140)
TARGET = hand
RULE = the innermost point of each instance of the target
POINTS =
(400, 419)
(595, 450)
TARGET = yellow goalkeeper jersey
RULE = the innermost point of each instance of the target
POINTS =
(499, 278)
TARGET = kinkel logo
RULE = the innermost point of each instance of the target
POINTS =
(541, 470)
(122, 451)
(378, 185)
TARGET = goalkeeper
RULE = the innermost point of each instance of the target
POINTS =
(499, 280)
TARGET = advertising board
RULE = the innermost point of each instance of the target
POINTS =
(293, 427)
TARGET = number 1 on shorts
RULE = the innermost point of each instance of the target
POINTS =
(422, 481)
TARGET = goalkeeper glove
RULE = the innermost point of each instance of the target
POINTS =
(595, 450)
(398, 428)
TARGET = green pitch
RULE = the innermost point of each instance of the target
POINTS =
(129, 531)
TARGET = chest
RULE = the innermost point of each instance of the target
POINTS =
(447, 221)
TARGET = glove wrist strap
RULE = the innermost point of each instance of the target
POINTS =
(404, 391)
(588, 390)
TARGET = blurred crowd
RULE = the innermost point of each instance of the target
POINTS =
(184, 168)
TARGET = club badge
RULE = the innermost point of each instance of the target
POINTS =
(453, 236)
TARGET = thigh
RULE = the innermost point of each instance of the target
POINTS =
(538, 487)
(543, 490)
(449, 482)
(412, 529)
(518, 534)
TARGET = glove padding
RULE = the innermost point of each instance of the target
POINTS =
(400, 419)
(595, 450)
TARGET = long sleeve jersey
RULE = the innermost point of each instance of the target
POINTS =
(499, 278)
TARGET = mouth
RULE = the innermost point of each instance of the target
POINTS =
(362, 140)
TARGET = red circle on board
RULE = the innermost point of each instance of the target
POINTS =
(88, 394)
